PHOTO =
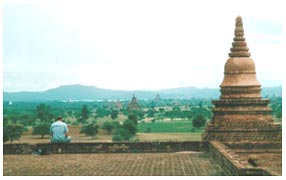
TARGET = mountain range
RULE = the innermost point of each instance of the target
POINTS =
(81, 92)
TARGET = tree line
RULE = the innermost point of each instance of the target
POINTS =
(20, 116)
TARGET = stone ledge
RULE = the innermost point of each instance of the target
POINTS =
(226, 157)
(258, 145)
(108, 147)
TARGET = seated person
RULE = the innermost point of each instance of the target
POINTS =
(59, 132)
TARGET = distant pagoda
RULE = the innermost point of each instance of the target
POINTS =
(133, 105)
(157, 98)
(241, 114)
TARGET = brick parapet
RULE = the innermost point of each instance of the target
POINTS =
(229, 161)
(110, 147)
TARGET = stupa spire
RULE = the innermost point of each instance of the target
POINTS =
(241, 114)
(239, 46)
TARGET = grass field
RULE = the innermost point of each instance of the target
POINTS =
(169, 136)
(174, 126)
(103, 136)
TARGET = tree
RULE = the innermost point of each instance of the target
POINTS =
(42, 129)
(27, 119)
(200, 104)
(162, 110)
(114, 114)
(188, 114)
(276, 106)
(140, 114)
(133, 118)
(44, 113)
(14, 119)
(130, 126)
(109, 126)
(12, 132)
(279, 111)
(121, 134)
(199, 121)
(102, 111)
(84, 113)
(90, 129)
(201, 111)
(70, 113)
(150, 113)
(125, 132)
(5, 135)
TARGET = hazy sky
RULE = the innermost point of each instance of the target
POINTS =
(148, 44)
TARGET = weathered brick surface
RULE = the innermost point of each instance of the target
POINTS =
(234, 158)
(108, 147)
(255, 145)
(139, 164)
(240, 135)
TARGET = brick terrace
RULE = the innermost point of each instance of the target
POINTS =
(266, 155)
(255, 158)
(138, 164)
(268, 161)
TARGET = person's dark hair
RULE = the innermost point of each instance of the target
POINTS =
(59, 118)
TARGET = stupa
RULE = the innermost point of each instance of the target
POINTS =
(133, 105)
(241, 114)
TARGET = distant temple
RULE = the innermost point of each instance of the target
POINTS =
(157, 98)
(133, 105)
(241, 114)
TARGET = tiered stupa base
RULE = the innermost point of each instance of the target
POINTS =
(242, 120)
(243, 133)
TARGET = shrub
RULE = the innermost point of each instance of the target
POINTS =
(44, 112)
(117, 137)
(12, 132)
(114, 114)
(81, 120)
(199, 121)
(150, 113)
(121, 134)
(109, 126)
(130, 126)
(42, 129)
(126, 131)
(5, 135)
(90, 129)
(133, 118)
(84, 113)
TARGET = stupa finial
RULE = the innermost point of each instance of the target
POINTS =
(239, 46)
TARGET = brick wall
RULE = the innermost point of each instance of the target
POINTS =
(224, 160)
(227, 159)
(255, 145)
(112, 147)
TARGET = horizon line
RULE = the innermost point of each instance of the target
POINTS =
(78, 84)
